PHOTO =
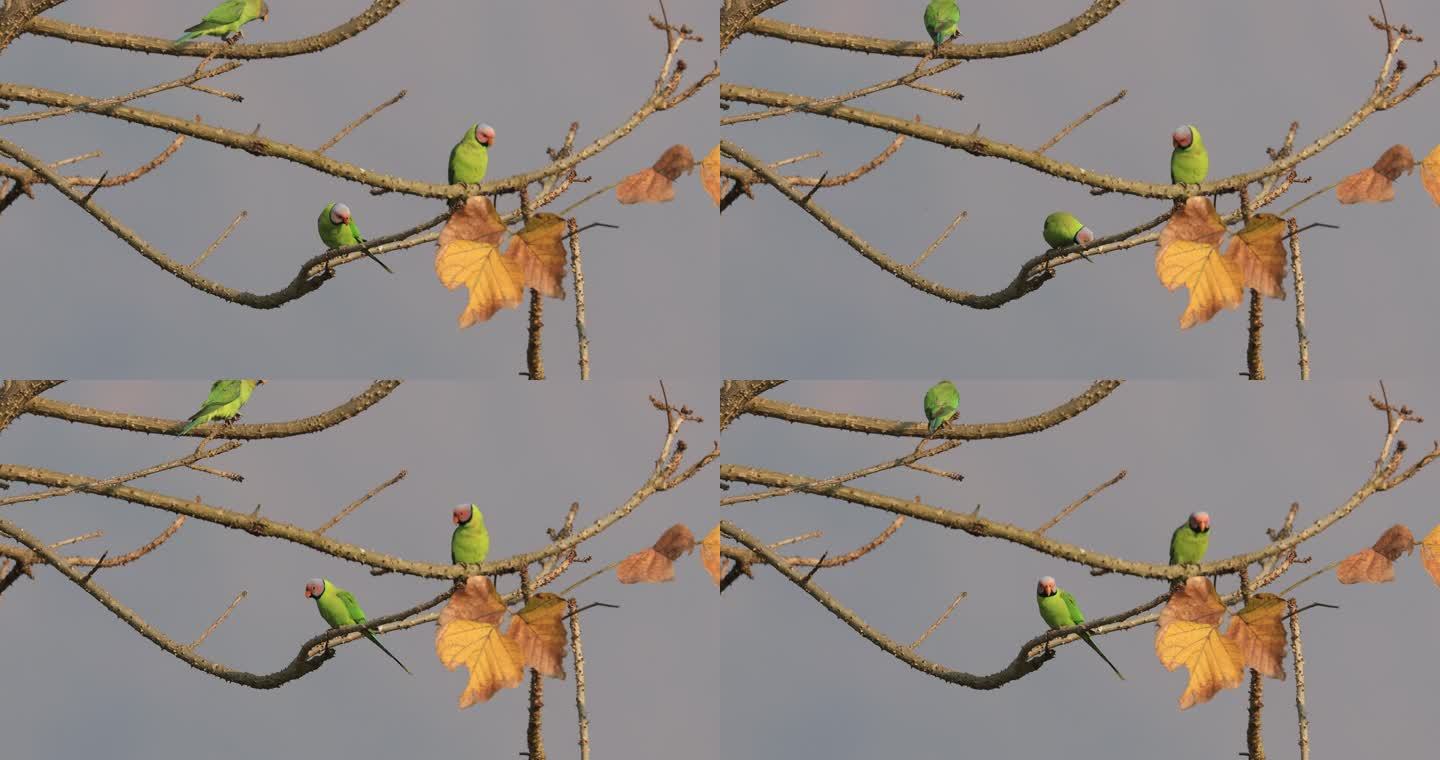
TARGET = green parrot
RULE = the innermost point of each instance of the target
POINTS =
(1189, 541)
(337, 230)
(942, 20)
(1189, 162)
(224, 402)
(1062, 229)
(226, 19)
(941, 403)
(470, 157)
(1059, 610)
(471, 541)
(339, 608)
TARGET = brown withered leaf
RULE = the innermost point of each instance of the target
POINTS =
(1189, 635)
(540, 633)
(1258, 252)
(477, 600)
(1189, 255)
(645, 186)
(1430, 554)
(676, 540)
(541, 254)
(1377, 564)
(710, 553)
(1395, 161)
(645, 566)
(710, 174)
(1260, 634)
(676, 160)
(1377, 184)
(476, 220)
(1430, 174)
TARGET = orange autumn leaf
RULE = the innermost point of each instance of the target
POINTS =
(469, 634)
(1376, 184)
(1258, 252)
(710, 174)
(657, 184)
(710, 553)
(540, 634)
(476, 220)
(541, 254)
(1377, 564)
(657, 564)
(1189, 255)
(494, 280)
(1430, 174)
(1189, 635)
(1430, 554)
(1261, 636)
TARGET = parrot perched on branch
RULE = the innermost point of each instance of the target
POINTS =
(941, 403)
(470, 542)
(471, 156)
(1189, 541)
(224, 402)
(1062, 229)
(942, 20)
(337, 230)
(226, 19)
(1189, 162)
(339, 608)
(1059, 610)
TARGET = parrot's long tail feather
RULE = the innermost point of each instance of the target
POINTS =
(1086, 637)
(189, 425)
(377, 260)
(377, 643)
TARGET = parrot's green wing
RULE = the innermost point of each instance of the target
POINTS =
(1076, 616)
(942, 20)
(941, 403)
(222, 392)
(1061, 228)
(1187, 546)
(470, 543)
(355, 232)
(469, 159)
(351, 606)
(227, 12)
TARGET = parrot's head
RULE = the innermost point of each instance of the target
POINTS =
(264, 11)
(1045, 587)
(1084, 236)
(485, 134)
(314, 588)
(339, 214)
(462, 514)
(1200, 522)
(1183, 136)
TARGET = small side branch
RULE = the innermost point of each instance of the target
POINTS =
(201, 640)
(352, 125)
(1301, 714)
(1302, 338)
(1066, 512)
(1072, 125)
(342, 514)
(534, 362)
(582, 713)
(938, 621)
(582, 337)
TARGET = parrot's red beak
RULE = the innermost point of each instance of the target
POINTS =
(307, 592)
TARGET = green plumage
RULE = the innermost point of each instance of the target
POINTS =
(942, 20)
(941, 403)
(1190, 164)
(1187, 545)
(340, 235)
(224, 402)
(1059, 610)
(226, 19)
(470, 543)
(469, 159)
(1061, 228)
(339, 608)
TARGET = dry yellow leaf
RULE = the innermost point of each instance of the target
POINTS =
(540, 254)
(540, 634)
(477, 600)
(1189, 635)
(710, 553)
(1261, 635)
(476, 220)
(1430, 554)
(1258, 252)
(1430, 174)
(1189, 255)
(494, 281)
(710, 174)
(468, 633)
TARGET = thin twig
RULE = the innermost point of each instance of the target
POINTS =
(1072, 125)
(581, 336)
(201, 640)
(581, 712)
(352, 125)
(1064, 513)
(1301, 715)
(98, 104)
(78, 539)
(797, 539)
(344, 513)
(100, 485)
(960, 217)
(211, 249)
(1302, 337)
(940, 619)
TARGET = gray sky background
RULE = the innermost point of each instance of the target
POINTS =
(1241, 72)
(1244, 453)
(93, 686)
(95, 308)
